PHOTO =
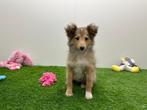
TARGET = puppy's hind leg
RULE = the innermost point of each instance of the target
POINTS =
(83, 83)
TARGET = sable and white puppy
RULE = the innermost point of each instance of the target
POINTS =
(81, 58)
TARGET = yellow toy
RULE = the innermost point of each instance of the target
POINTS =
(127, 64)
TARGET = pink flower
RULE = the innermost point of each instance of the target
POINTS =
(47, 79)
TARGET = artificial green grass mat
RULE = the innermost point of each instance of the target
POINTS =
(113, 91)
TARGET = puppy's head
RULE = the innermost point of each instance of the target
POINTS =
(81, 38)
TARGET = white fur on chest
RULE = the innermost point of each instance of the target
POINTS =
(79, 68)
(79, 61)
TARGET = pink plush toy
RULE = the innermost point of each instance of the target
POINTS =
(10, 65)
(47, 79)
(16, 60)
(20, 57)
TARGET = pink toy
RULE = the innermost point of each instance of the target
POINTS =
(47, 79)
(10, 65)
(16, 60)
(21, 58)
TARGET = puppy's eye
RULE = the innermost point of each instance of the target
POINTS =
(86, 38)
(77, 38)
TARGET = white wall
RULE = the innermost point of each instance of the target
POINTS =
(37, 27)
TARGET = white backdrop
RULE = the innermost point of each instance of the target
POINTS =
(37, 27)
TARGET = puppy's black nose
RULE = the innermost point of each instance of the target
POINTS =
(82, 48)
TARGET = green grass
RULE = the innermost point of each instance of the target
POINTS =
(113, 91)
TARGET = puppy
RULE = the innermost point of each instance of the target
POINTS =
(81, 58)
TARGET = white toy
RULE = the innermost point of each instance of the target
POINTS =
(127, 64)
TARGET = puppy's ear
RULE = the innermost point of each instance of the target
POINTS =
(71, 30)
(92, 30)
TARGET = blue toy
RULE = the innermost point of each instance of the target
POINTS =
(2, 77)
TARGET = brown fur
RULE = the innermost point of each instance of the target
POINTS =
(81, 58)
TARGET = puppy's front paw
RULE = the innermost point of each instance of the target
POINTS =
(88, 95)
(68, 93)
